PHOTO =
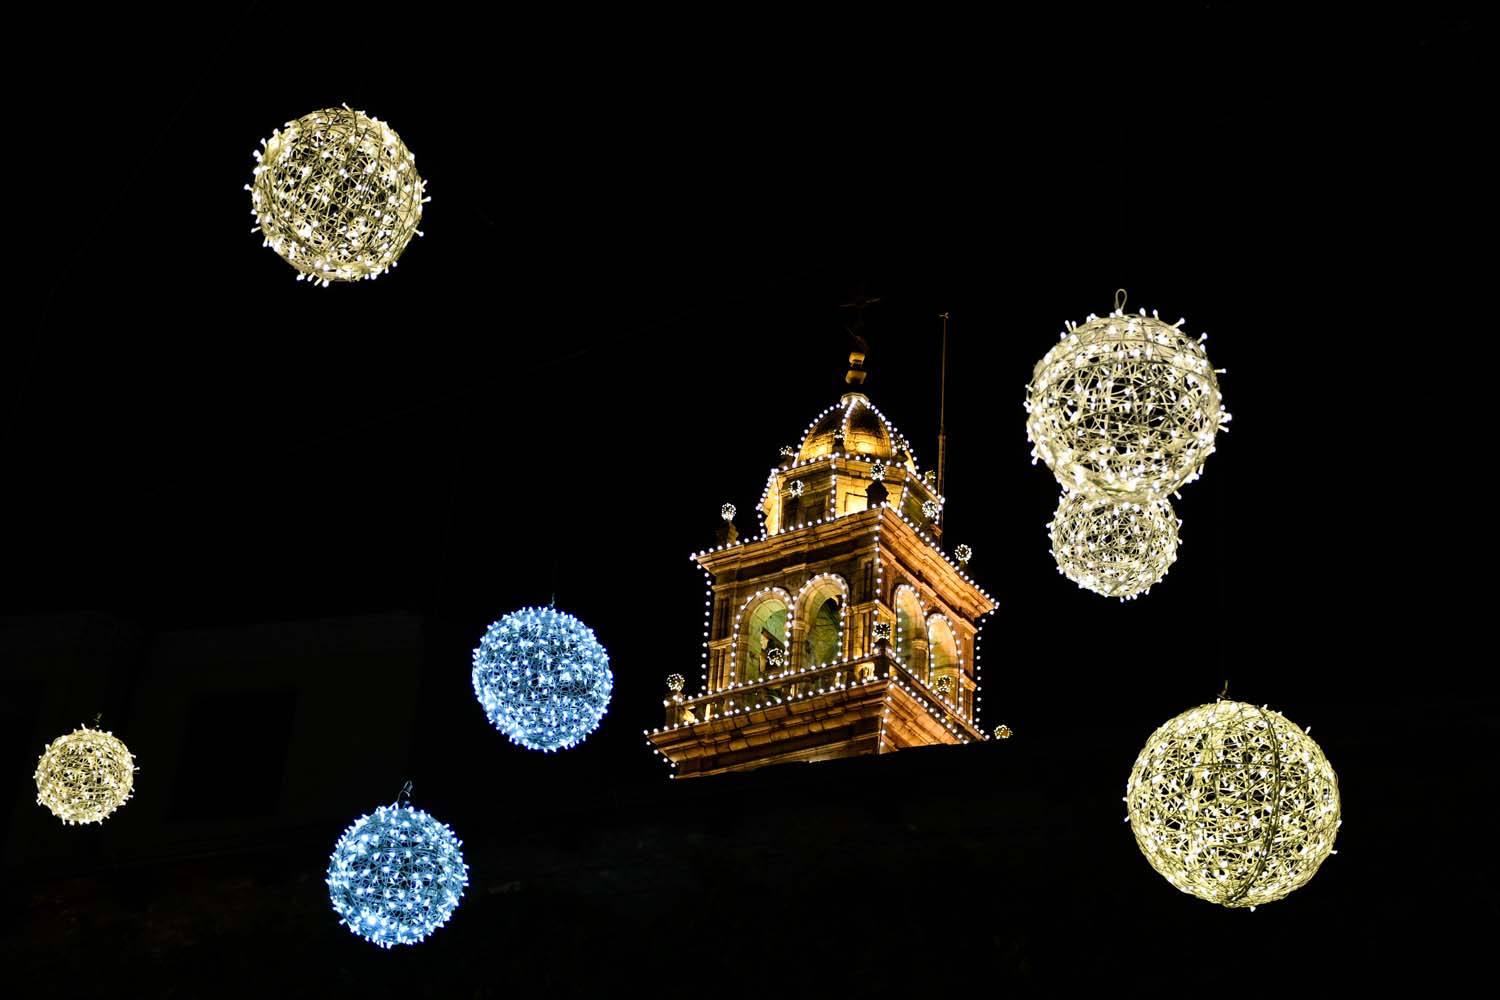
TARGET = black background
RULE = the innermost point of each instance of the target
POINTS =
(626, 299)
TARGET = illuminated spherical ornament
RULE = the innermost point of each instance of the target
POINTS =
(1124, 406)
(877, 471)
(543, 678)
(676, 682)
(1233, 804)
(337, 195)
(396, 876)
(882, 631)
(1003, 732)
(963, 553)
(776, 657)
(727, 512)
(84, 776)
(1115, 549)
(787, 451)
(798, 487)
(944, 685)
(931, 510)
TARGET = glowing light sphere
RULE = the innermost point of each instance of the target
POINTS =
(877, 471)
(84, 776)
(1114, 549)
(963, 553)
(931, 510)
(775, 657)
(798, 487)
(881, 631)
(1233, 804)
(337, 195)
(396, 876)
(1003, 732)
(727, 512)
(1124, 406)
(676, 682)
(543, 678)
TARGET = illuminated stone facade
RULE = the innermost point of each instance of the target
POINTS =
(795, 668)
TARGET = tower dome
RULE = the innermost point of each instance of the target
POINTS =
(851, 458)
(864, 430)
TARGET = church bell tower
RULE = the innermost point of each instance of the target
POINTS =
(841, 628)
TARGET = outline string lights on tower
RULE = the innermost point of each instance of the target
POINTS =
(1124, 410)
(542, 677)
(1233, 804)
(396, 875)
(337, 195)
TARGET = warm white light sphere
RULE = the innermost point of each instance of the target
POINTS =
(396, 876)
(84, 776)
(1233, 804)
(1124, 406)
(1117, 549)
(542, 677)
(337, 195)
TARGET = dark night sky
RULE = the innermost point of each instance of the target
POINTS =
(626, 300)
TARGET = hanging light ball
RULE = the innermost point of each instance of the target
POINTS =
(798, 487)
(931, 510)
(728, 511)
(963, 553)
(336, 194)
(396, 876)
(1124, 406)
(1233, 804)
(84, 776)
(543, 678)
(1118, 549)
(1003, 732)
(676, 682)
(877, 471)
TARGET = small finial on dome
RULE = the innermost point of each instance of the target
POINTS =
(856, 373)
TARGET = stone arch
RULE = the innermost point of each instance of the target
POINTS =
(910, 631)
(945, 659)
(819, 621)
(760, 628)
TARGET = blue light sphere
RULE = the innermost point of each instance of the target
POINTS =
(542, 678)
(396, 876)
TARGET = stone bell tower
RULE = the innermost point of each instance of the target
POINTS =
(840, 628)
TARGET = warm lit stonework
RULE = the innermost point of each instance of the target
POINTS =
(796, 667)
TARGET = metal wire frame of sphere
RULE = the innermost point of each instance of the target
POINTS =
(543, 679)
(1233, 804)
(1117, 549)
(396, 875)
(337, 195)
(85, 776)
(1124, 406)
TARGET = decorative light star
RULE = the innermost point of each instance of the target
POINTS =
(1124, 406)
(84, 776)
(396, 875)
(337, 195)
(1114, 549)
(543, 678)
(1233, 804)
